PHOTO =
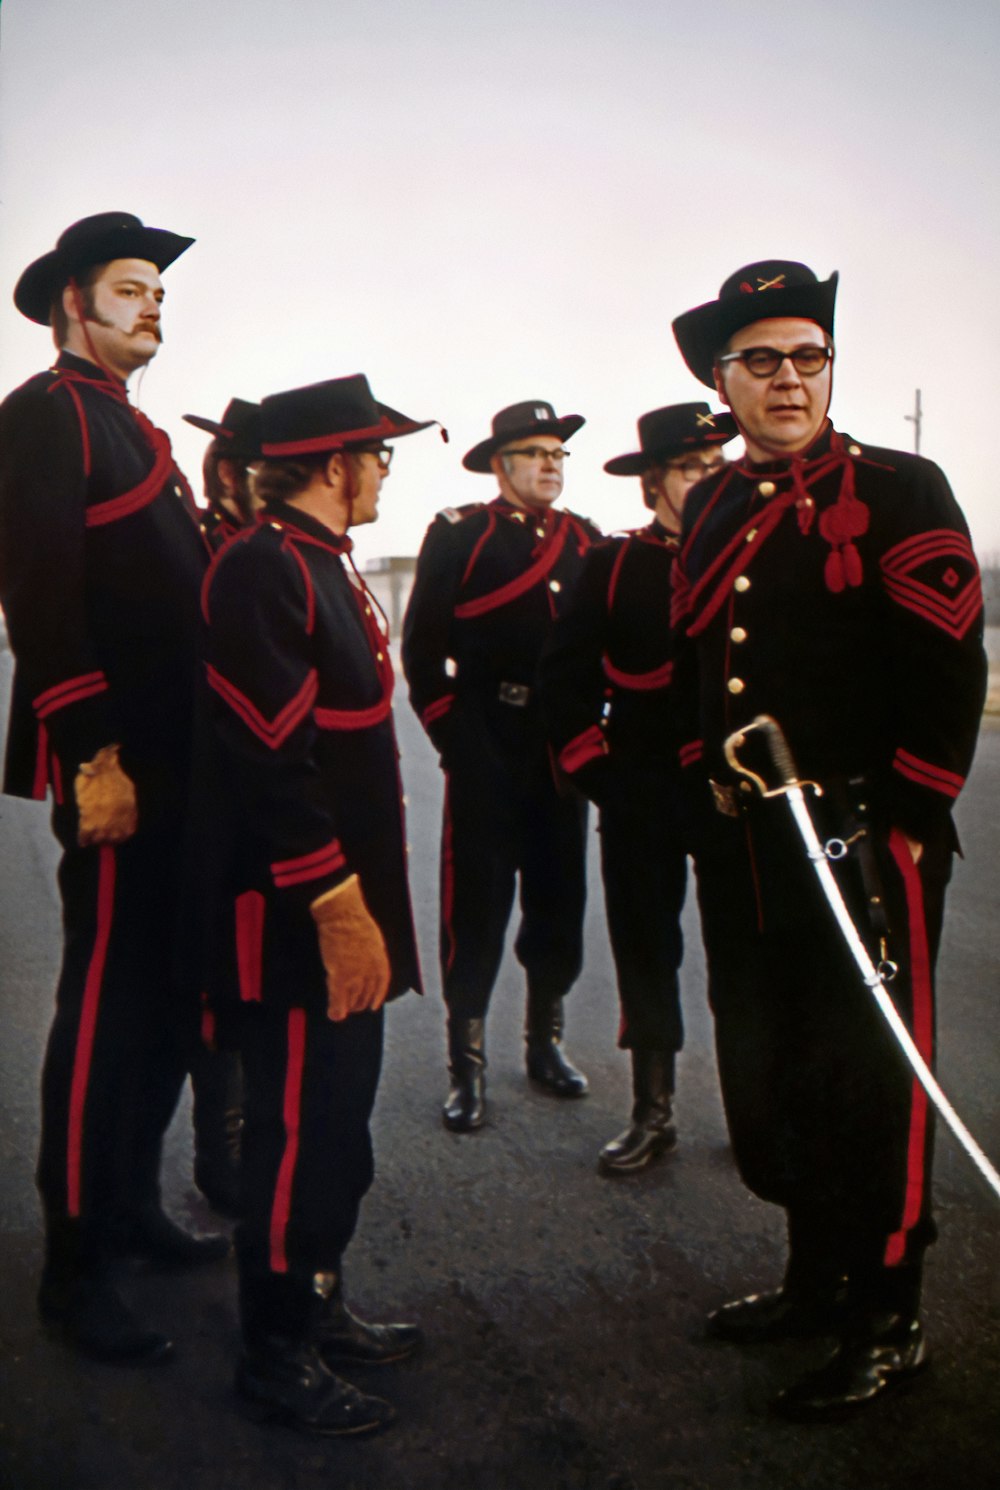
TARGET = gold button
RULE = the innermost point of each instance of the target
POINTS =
(555, 586)
(746, 788)
(518, 517)
(736, 685)
(276, 527)
(738, 635)
(368, 610)
(380, 656)
(751, 535)
(854, 449)
(741, 583)
(178, 492)
(767, 488)
(540, 532)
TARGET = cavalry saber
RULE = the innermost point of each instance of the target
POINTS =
(876, 978)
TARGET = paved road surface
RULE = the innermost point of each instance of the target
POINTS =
(563, 1310)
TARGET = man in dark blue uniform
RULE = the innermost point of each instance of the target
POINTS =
(605, 679)
(101, 560)
(830, 585)
(310, 912)
(491, 579)
(225, 470)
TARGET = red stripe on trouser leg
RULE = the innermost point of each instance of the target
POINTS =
(923, 1036)
(292, 1114)
(88, 1025)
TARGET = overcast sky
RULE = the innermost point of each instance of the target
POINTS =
(479, 202)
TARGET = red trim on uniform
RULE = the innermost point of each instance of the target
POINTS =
(658, 677)
(147, 491)
(516, 587)
(57, 781)
(292, 1119)
(589, 746)
(249, 918)
(486, 533)
(954, 614)
(317, 865)
(69, 692)
(290, 548)
(680, 594)
(341, 719)
(84, 430)
(437, 709)
(737, 555)
(948, 783)
(615, 572)
(447, 880)
(275, 733)
(922, 994)
(86, 1031)
(691, 752)
(40, 780)
(332, 442)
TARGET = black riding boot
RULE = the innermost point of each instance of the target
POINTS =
(217, 1086)
(78, 1302)
(651, 1131)
(281, 1376)
(547, 1065)
(465, 1104)
(342, 1338)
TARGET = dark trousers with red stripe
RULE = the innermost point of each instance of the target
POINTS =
(825, 1114)
(644, 869)
(505, 820)
(309, 1090)
(119, 1045)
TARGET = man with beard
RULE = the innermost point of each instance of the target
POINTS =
(101, 562)
(605, 681)
(491, 579)
(832, 586)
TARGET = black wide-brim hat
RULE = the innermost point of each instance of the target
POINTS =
(238, 431)
(672, 431)
(92, 240)
(516, 422)
(332, 415)
(774, 287)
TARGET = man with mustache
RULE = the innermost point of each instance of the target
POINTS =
(101, 563)
(832, 586)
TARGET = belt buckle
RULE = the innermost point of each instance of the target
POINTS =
(515, 694)
(724, 798)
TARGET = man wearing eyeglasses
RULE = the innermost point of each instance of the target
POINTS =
(832, 586)
(605, 678)
(491, 579)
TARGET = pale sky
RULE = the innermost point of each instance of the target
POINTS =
(479, 203)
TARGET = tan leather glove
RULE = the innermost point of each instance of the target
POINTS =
(353, 951)
(105, 800)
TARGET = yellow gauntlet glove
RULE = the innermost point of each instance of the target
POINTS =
(105, 800)
(353, 951)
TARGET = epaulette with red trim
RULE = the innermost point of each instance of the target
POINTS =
(456, 514)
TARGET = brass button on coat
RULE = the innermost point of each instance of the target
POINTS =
(767, 488)
(736, 685)
(737, 635)
(741, 583)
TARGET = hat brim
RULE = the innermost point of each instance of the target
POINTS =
(638, 461)
(478, 458)
(391, 426)
(43, 279)
(701, 333)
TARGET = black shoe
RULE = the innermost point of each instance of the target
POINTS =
(465, 1105)
(857, 1374)
(549, 1068)
(90, 1315)
(284, 1382)
(638, 1146)
(160, 1242)
(783, 1315)
(651, 1132)
(341, 1338)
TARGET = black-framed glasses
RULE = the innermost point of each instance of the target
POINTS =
(693, 469)
(763, 362)
(382, 453)
(539, 452)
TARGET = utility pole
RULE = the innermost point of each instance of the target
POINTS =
(916, 418)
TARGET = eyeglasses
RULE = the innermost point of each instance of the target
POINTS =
(763, 362)
(382, 453)
(693, 469)
(539, 452)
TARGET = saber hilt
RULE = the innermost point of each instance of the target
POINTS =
(779, 751)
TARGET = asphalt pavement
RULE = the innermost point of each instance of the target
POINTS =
(563, 1311)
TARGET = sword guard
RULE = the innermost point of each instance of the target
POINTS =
(779, 752)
